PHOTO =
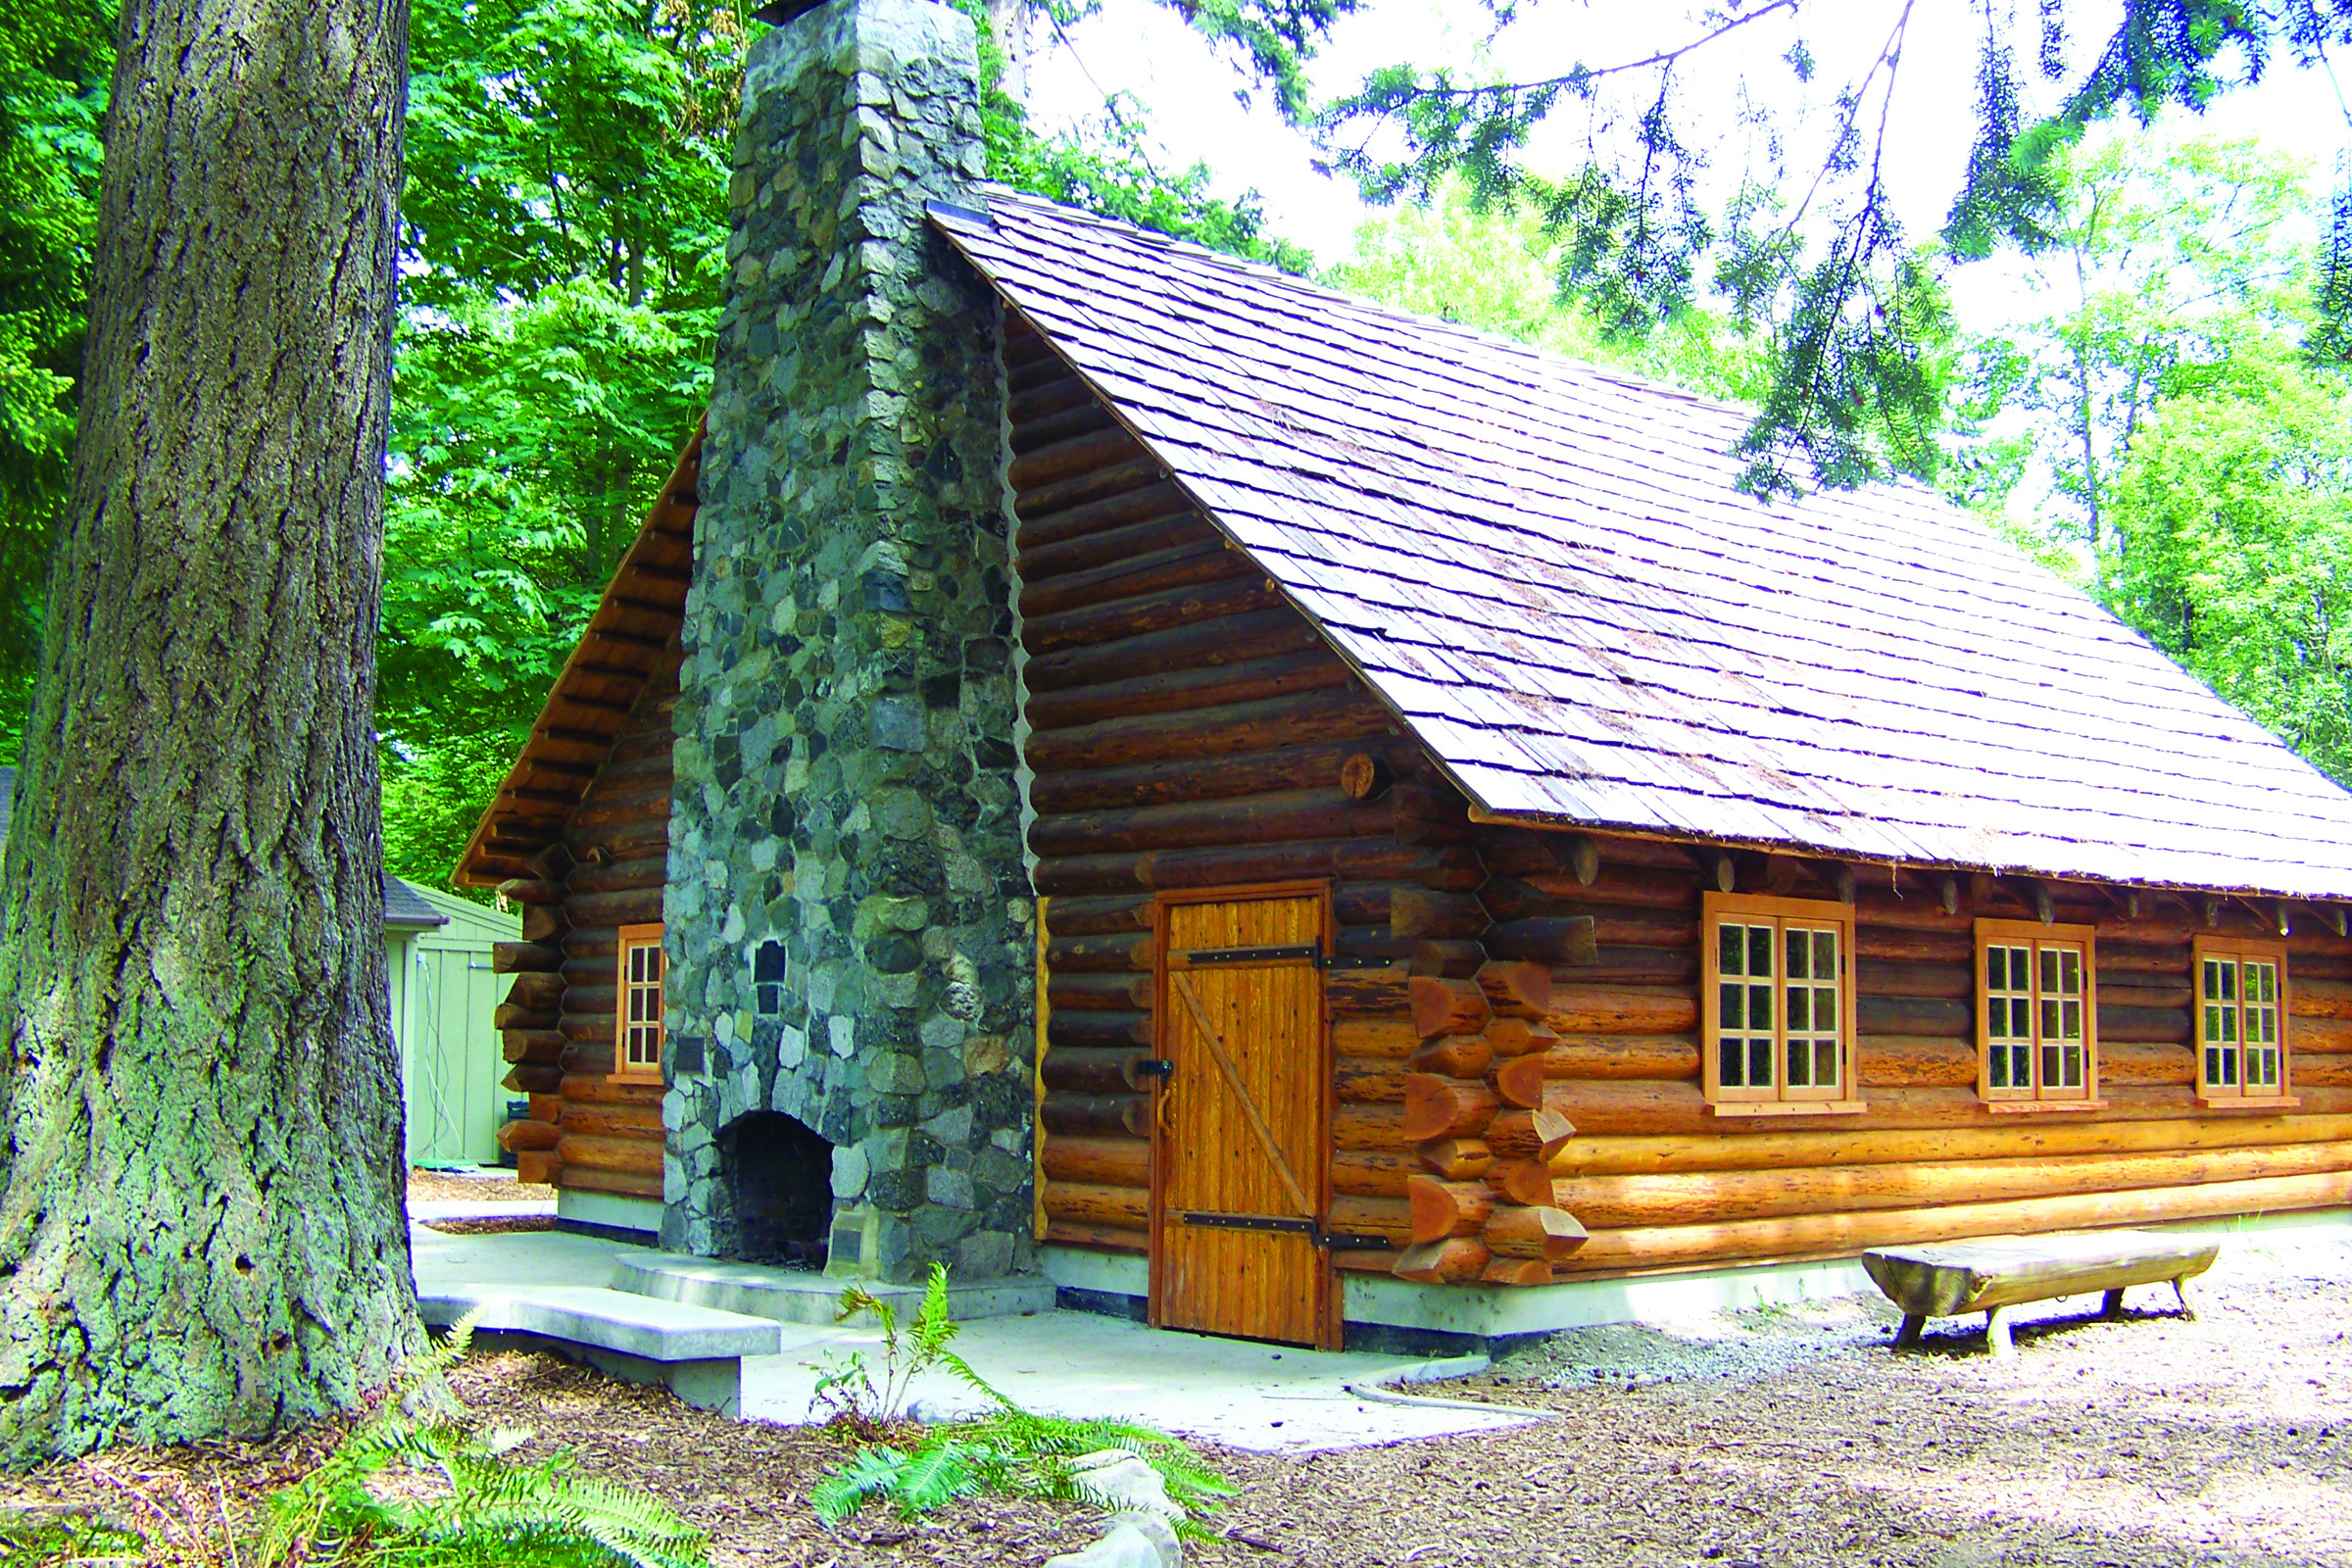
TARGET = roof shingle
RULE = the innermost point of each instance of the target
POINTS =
(1547, 571)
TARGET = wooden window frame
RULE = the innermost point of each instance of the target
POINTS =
(1714, 910)
(2233, 1096)
(2034, 935)
(632, 938)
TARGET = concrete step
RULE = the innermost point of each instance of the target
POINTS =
(695, 1350)
(798, 1296)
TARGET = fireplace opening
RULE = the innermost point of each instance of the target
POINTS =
(779, 1184)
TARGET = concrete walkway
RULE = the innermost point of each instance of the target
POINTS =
(1233, 1391)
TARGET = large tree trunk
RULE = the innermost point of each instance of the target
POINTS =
(203, 1227)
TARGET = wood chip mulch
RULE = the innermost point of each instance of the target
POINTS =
(2151, 1443)
(492, 1224)
(445, 1187)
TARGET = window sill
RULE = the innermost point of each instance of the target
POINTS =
(1786, 1107)
(2247, 1103)
(2031, 1107)
(652, 1078)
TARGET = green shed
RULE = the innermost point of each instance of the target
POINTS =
(437, 958)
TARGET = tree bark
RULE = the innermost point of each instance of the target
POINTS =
(203, 1228)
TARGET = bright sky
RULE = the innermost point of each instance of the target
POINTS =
(1189, 96)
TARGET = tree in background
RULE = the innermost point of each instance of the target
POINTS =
(202, 1226)
(55, 56)
(2162, 255)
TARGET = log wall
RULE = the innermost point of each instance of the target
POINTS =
(588, 1131)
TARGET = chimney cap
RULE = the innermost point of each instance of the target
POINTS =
(776, 13)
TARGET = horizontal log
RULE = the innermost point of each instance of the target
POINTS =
(2318, 999)
(629, 906)
(1368, 858)
(1838, 1235)
(1448, 958)
(1095, 1115)
(1100, 993)
(1105, 546)
(1602, 1106)
(520, 1135)
(1389, 1218)
(1881, 977)
(1424, 912)
(1457, 1160)
(1368, 994)
(539, 991)
(1095, 1070)
(618, 876)
(589, 1089)
(1441, 1209)
(636, 1156)
(2123, 959)
(1520, 1037)
(1098, 1238)
(1104, 448)
(1096, 1203)
(1203, 779)
(544, 923)
(1447, 1262)
(582, 1057)
(1116, 915)
(1882, 1060)
(1444, 1108)
(1120, 953)
(2160, 994)
(2006, 1137)
(1447, 1006)
(1616, 1202)
(1454, 1057)
(515, 957)
(1918, 947)
(532, 1078)
(531, 1044)
(1515, 989)
(1558, 892)
(1543, 1232)
(619, 1183)
(1368, 1080)
(644, 807)
(538, 1166)
(1565, 941)
(1369, 1127)
(531, 890)
(2328, 1036)
(586, 1028)
(1098, 1161)
(1122, 618)
(1393, 1038)
(1521, 1181)
(1203, 690)
(1592, 1010)
(1529, 1133)
(506, 1015)
(1143, 501)
(1370, 1173)
(2131, 1062)
(1080, 1031)
(1635, 966)
(1306, 719)
(547, 1108)
(1117, 482)
(613, 1121)
(1916, 1016)
(1518, 1081)
(2144, 1024)
(1317, 813)
(1663, 1056)
(1515, 1271)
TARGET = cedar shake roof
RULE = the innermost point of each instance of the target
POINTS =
(634, 625)
(1547, 570)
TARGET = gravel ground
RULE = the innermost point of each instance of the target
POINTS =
(488, 1186)
(1783, 1436)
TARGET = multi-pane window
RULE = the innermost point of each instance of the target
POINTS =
(2037, 1014)
(1778, 1001)
(2242, 1020)
(637, 1051)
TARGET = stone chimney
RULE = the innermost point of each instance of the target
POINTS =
(849, 919)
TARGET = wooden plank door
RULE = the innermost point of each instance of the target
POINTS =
(1244, 1119)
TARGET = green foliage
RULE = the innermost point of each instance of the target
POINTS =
(73, 1542)
(475, 1506)
(1007, 1452)
(55, 60)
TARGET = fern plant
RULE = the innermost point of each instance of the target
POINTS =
(1008, 1451)
(486, 1508)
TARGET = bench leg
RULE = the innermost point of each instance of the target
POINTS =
(1915, 1324)
(2188, 1308)
(2113, 1305)
(1996, 1335)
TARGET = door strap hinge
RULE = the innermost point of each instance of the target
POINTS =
(1283, 1224)
(1351, 960)
(1307, 950)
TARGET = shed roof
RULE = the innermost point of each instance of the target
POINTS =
(1547, 570)
(405, 906)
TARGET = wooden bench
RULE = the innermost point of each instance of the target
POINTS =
(2000, 1271)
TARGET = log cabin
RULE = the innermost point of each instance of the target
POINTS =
(1309, 822)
